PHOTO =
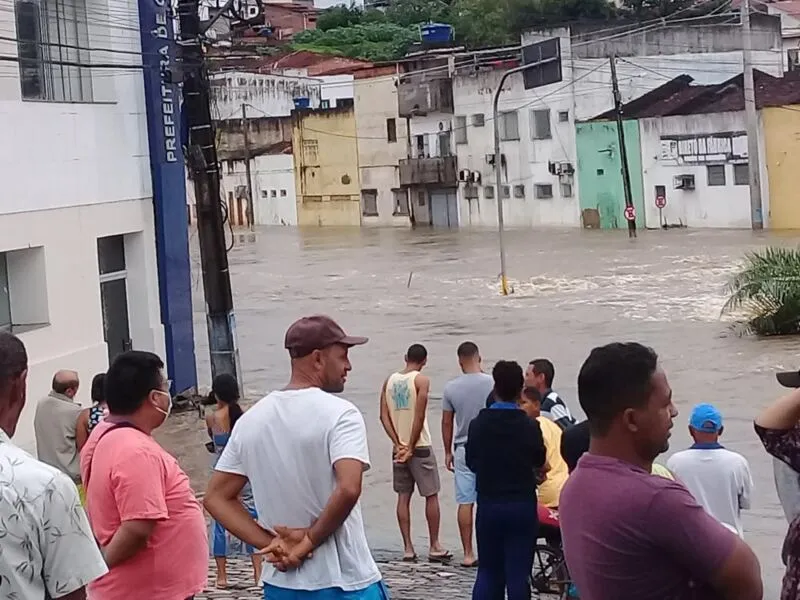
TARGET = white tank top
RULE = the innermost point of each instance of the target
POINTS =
(401, 396)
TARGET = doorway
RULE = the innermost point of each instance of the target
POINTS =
(114, 294)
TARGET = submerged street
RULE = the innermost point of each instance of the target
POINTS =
(573, 290)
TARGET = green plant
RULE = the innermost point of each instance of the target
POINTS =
(764, 294)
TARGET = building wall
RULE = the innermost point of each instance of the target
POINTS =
(268, 95)
(378, 157)
(602, 193)
(336, 88)
(526, 159)
(62, 290)
(262, 133)
(326, 167)
(75, 172)
(781, 130)
(273, 188)
(707, 205)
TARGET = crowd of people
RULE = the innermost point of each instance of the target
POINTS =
(288, 477)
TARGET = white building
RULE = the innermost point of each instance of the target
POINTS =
(263, 95)
(451, 137)
(381, 146)
(78, 275)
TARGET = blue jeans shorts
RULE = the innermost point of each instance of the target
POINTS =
(465, 479)
(377, 591)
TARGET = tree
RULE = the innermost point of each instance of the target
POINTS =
(339, 16)
(764, 294)
(655, 9)
(368, 41)
(415, 12)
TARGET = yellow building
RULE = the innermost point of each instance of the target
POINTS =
(326, 176)
(781, 128)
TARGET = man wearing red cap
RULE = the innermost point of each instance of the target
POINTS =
(304, 452)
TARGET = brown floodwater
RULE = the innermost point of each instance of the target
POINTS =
(573, 290)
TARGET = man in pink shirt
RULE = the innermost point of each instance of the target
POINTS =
(141, 507)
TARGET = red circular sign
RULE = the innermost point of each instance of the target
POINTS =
(661, 201)
(630, 213)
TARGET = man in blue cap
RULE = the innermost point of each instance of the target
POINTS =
(718, 478)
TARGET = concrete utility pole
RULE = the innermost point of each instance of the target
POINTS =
(751, 114)
(204, 166)
(250, 208)
(630, 211)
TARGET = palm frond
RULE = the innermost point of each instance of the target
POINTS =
(766, 290)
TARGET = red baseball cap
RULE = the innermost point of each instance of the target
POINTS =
(317, 333)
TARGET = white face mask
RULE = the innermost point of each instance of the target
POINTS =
(167, 412)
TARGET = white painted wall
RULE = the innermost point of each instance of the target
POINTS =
(76, 172)
(72, 337)
(430, 126)
(378, 158)
(725, 206)
(268, 95)
(336, 87)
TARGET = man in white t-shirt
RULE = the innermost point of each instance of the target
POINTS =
(719, 479)
(304, 452)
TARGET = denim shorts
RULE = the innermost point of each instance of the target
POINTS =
(377, 591)
(465, 479)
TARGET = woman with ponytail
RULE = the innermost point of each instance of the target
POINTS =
(220, 423)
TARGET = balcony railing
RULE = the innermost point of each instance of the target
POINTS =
(429, 171)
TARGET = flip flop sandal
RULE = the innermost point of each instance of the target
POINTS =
(410, 559)
(441, 559)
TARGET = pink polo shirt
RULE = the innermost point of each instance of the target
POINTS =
(133, 478)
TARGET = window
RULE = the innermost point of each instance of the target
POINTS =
(114, 294)
(324, 104)
(421, 198)
(229, 165)
(540, 124)
(400, 202)
(793, 59)
(273, 193)
(509, 126)
(283, 193)
(519, 191)
(345, 103)
(506, 192)
(741, 174)
(478, 120)
(566, 190)
(461, 130)
(422, 146)
(543, 191)
(391, 130)
(50, 34)
(444, 144)
(716, 174)
(563, 116)
(369, 203)
(265, 193)
(311, 152)
(23, 290)
(488, 192)
(311, 199)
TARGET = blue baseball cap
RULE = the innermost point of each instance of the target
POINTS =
(705, 418)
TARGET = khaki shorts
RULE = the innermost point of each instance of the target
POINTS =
(422, 470)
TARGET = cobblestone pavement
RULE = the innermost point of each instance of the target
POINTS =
(417, 581)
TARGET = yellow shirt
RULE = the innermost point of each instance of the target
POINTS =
(549, 492)
(401, 397)
(662, 471)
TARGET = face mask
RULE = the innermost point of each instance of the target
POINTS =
(167, 412)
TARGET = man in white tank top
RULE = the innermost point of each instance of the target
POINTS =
(404, 405)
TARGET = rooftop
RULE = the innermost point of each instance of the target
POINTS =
(680, 97)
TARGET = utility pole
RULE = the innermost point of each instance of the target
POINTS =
(250, 207)
(751, 114)
(630, 211)
(204, 166)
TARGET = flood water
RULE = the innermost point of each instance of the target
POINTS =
(573, 290)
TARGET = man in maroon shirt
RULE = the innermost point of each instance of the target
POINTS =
(626, 533)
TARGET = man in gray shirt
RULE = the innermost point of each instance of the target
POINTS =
(462, 400)
(55, 423)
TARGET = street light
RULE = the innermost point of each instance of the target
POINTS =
(498, 167)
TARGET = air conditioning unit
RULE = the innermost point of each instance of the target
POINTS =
(463, 175)
(490, 159)
(683, 182)
(475, 177)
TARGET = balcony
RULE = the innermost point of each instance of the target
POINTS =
(429, 171)
(418, 97)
